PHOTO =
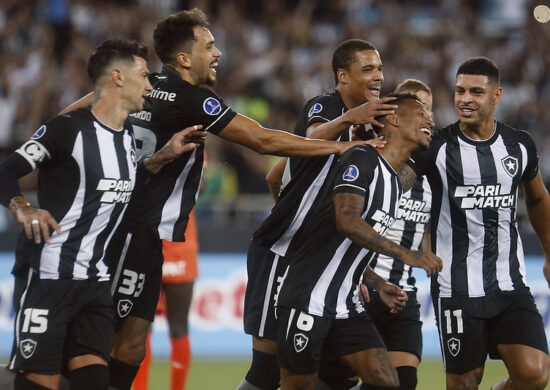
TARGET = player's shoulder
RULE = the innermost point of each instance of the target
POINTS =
(324, 104)
(65, 124)
(509, 132)
(363, 152)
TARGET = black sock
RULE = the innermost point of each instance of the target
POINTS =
(122, 374)
(407, 377)
(264, 372)
(22, 383)
(92, 377)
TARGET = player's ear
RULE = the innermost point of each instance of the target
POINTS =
(392, 119)
(497, 95)
(117, 77)
(183, 59)
(342, 76)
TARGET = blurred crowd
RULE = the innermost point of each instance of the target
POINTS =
(277, 55)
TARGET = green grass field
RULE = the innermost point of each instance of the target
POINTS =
(227, 374)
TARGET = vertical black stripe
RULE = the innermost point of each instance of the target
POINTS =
(358, 277)
(124, 171)
(93, 169)
(455, 177)
(488, 173)
(513, 148)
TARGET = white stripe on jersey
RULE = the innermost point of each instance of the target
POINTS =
(521, 259)
(341, 307)
(267, 298)
(474, 222)
(51, 253)
(172, 207)
(220, 117)
(18, 317)
(281, 245)
(444, 248)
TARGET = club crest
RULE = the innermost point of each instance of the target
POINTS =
(27, 348)
(124, 307)
(300, 342)
(510, 165)
(454, 346)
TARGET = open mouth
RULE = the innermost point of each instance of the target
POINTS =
(213, 66)
(467, 111)
(375, 89)
(426, 131)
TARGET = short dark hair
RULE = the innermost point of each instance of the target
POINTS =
(113, 50)
(176, 33)
(413, 85)
(480, 66)
(399, 99)
(344, 55)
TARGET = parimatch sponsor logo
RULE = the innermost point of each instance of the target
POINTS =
(483, 196)
(115, 191)
(383, 221)
(411, 210)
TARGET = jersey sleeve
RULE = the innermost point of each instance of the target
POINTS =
(322, 109)
(532, 167)
(51, 139)
(207, 109)
(355, 171)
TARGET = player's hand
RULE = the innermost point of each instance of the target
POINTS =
(364, 295)
(181, 142)
(393, 297)
(431, 263)
(379, 142)
(546, 270)
(37, 223)
(367, 112)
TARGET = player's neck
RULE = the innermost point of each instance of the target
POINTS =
(110, 111)
(395, 154)
(348, 100)
(480, 132)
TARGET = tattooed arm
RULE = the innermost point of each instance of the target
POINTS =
(407, 177)
(348, 208)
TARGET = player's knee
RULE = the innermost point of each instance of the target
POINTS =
(264, 371)
(178, 330)
(407, 377)
(388, 378)
(466, 381)
(532, 376)
(93, 377)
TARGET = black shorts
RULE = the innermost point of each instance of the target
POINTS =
(401, 331)
(302, 338)
(265, 272)
(135, 262)
(471, 328)
(57, 320)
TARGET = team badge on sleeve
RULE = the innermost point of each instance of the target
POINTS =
(39, 133)
(510, 165)
(351, 173)
(317, 107)
(212, 106)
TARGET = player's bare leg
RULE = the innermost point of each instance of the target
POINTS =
(264, 352)
(528, 367)
(374, 367)
(46, 381)
(178, 302)
(129, 349)
(293, 381)
(406, 364)
(468, 381)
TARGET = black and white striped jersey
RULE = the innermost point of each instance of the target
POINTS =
(307, 179)
(407, 231)
(323, 278)
(473, 227)
(173, 105)
(86, 176)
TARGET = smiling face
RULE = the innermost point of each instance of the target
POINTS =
(136, 85)
(203, 58)
(475, 99)
(415, 122)
(363, 80)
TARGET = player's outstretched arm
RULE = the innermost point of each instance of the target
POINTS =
(537, 201)
(80, 103)
(348, 208)
(389, 293)
(361, 115)
(274, 177)
(247, 132)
